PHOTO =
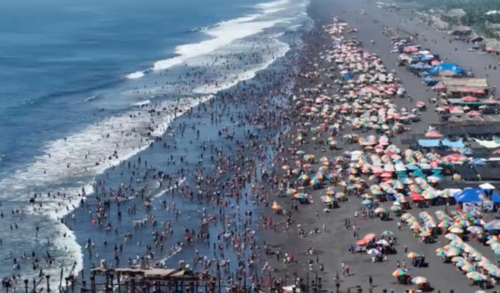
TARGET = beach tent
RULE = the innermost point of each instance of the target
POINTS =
(474, 195)
(468, 195)
(451, 68)
(487, 186)
(488, 144)
(453, 144)
(428, 143)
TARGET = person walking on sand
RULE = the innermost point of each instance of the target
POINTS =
(370, 281)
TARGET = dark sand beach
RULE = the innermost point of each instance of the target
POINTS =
(228, 158)
(332, 239)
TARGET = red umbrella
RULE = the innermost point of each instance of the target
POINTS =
(491, 101)
(474, 114)
(468, 99)
(453, 158)
(416, 197)
(439, 87)
(386, 174)
(433, 134)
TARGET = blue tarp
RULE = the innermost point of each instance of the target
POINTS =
(431, 143)
(451, 67)
(429, 80)
(475, 195)
(420, 66)
(453, 144)
(425, 57)
(347, 76)
(428, 143)
(496, 197)
(468, 195)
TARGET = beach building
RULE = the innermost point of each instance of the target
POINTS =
(461, 86)
(492, 46)
(460, 30)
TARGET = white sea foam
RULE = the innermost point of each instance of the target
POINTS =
(237, 77)
(90, 98)
(135, 75)
(273, 10)
(142, 103)
(273, 4)
(73, 159)
(222, 35)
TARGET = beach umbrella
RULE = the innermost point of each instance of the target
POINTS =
(327, 199)
(380, 211)
(413, 255)
(291, 191)
(468, 99)
(493, 225)
(387, 233)
(453, 251)
(457, 244)
(416, 197)
(487, 186)
(424, 234)
(475, 276)
(300, 196)
(399, 273)
(475, 230)
(440, 252)
(395, 208)
(461, 264)
(419, 280)
(383, 242)
(373, 252)
(468, 268)
(457, 259)
(433, 134)
(366, 202)
(474, 114)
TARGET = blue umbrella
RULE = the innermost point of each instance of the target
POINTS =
(493, 225)
(478, 162)
(366, 202)
(466, 152)
(412, 167)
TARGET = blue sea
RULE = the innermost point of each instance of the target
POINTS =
(73, 77)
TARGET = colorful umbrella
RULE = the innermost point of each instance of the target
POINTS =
(399, 273)
(419, 280)
(413, 255)
(475, 276)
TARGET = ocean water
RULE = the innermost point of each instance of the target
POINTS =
(74, 75)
